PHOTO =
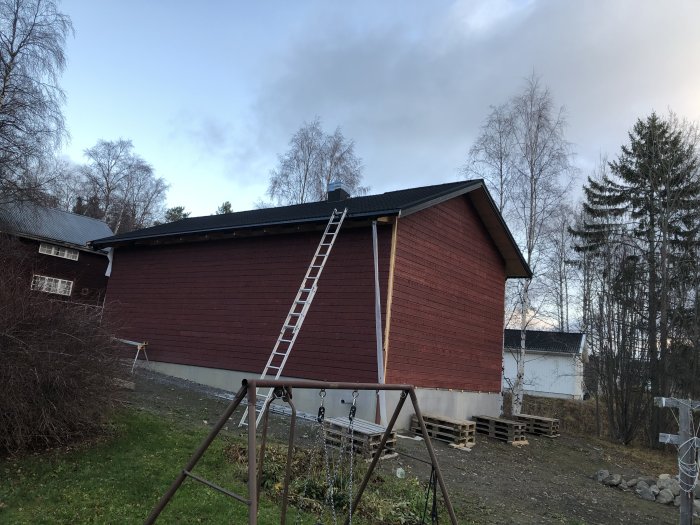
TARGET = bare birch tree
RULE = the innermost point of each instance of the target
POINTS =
(313, 160)
(490, 157)
(32, 39)
(559, 274)
(522, 153)
(541, 163)
(123, 186)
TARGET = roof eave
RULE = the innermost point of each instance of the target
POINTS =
(515, 265)
(112, 241)
(82, 247)
(541, 351)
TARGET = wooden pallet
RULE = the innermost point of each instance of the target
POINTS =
(366, 437)
(512, 432)
(458, 432)
(543, 426)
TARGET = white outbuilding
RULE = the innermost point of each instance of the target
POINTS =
(553, 362)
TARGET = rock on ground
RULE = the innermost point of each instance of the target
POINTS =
(671, 484)
(665, 497)
(644, 492)
(613, 480)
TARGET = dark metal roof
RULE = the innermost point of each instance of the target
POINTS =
(392, 203)
(549, 342)
(37, 222)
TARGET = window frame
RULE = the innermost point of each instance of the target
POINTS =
(52, 285)
(58, 251)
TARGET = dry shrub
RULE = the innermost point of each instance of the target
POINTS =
(57, 363)
(387, 499)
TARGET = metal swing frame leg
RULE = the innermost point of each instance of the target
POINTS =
(185, 472)
(433, 459)
(286, 395)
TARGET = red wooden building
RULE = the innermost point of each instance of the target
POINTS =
(209, 294)
(58, 260)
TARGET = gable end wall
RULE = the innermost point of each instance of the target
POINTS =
(448, 299)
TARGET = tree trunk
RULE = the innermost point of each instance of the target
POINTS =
(518, 386)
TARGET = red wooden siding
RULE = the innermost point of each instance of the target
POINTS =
(221, 304)
(447, 313)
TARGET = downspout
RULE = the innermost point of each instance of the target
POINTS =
(110, 260)
(381, 397)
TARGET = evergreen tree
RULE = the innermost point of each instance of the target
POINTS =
(224, 208)
(649, 202)
(175, 213)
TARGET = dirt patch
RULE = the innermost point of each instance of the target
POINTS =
(547, 481)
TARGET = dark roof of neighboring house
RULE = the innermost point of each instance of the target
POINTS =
(40, 223)
(540, 341)
(392, 203)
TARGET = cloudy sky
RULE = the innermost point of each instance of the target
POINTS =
(211, 91)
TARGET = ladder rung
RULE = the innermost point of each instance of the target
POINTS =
(294, 320)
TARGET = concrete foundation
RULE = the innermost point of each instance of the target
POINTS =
(451, 403)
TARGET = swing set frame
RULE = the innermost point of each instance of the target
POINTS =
(283, 389)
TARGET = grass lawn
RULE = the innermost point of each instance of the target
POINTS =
(118, 480)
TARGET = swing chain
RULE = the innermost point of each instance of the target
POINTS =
(321, 409)
(353, 408)
(351, 418)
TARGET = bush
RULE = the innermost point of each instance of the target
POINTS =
(57, 363)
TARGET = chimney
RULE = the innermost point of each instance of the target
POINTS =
(336, 192)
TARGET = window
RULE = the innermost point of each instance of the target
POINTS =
(58, 251)
(51, 285)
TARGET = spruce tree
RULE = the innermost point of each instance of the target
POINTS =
(649, 201)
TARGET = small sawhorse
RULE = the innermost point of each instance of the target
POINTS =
(139, 347)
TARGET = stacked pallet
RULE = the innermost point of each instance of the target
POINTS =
(457, 432)
(543, 426)
(512, 432)
(366, 437)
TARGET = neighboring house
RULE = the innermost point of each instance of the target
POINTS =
(209, 294)
(553, 362)
(58, 260)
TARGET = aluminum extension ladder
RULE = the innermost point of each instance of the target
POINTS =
(297, 313)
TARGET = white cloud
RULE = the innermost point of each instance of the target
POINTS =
(414, 101)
